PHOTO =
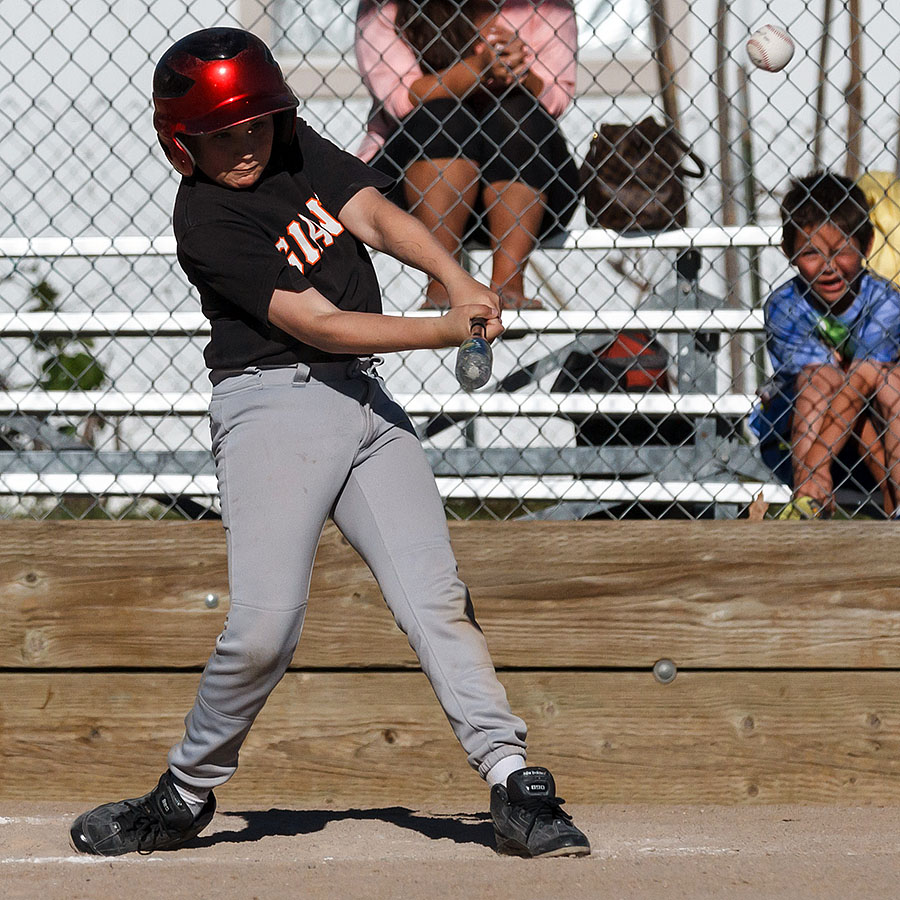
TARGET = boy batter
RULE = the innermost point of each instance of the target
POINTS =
(271, 221)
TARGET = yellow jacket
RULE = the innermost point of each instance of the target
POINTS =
(882, 190)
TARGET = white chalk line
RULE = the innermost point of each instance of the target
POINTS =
(32, 820)
(690, 851)
(132, 859)
(87, 860)
(49, 860)
(666, 846)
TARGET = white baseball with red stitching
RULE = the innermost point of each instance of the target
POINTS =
(770, 48)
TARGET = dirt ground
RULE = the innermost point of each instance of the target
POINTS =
(660, 852)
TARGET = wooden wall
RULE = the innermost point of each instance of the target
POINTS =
(786, 637)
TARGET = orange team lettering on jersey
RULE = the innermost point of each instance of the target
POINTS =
(292, 258)
(329, 223)
(320, 233)
(311, 251)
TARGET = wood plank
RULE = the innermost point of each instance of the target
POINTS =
(358, 739)
(108, 593)
(547, 594)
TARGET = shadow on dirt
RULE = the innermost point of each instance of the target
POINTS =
(463, 828)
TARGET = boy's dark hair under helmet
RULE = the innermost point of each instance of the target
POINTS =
(210, 80)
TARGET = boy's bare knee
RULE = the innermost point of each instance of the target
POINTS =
(868, 376)
(821, 378)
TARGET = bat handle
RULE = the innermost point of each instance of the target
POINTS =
(474, 359)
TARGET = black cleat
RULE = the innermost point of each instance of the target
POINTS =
(529, 819)
(160, 820)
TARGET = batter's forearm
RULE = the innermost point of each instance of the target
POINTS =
(365, 333)
(311, 318)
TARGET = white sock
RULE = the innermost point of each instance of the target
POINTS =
(194, 797)
(500, 771)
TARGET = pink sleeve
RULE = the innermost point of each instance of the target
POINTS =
(551, 33)
(386, 63)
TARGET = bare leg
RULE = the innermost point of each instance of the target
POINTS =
(442, 194)
(828, 403)
(514, 214)
(887, 401)
(872, 452)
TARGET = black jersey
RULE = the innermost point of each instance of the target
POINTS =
(237, 246)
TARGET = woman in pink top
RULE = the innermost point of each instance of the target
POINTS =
(466, 100)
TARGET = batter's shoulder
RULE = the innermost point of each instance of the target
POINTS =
(200, 203)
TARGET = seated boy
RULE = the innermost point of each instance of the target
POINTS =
(833, 336)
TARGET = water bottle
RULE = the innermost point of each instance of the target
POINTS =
(837, 335)
(474, 359)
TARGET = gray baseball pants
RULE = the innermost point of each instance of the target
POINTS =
(293, 446)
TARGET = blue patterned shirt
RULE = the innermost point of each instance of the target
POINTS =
(792, 341)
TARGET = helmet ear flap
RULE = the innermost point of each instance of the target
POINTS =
(285, 126)
(178, 155)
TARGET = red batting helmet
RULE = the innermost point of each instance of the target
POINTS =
(213, 79)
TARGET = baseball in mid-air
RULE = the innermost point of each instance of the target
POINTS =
(770, 48)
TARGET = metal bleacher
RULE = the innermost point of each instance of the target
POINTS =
(714, 467)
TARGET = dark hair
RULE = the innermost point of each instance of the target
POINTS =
(823, 197)
(441, 31)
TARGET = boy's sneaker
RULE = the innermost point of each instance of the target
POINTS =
(529, 819)
(160, 820)
(803, 508)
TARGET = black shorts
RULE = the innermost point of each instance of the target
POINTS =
(510, 138)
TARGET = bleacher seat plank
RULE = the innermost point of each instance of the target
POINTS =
(34, 401)
(544, 322)
(52, 246)
(102, 478)
(503, 487)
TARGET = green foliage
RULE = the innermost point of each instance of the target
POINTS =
(63, 371)
(67, 363)
(45, 295)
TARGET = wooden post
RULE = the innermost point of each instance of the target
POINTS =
(827, 15)
(853, 93)
(665, 63)
(726, 181)
(749, 178)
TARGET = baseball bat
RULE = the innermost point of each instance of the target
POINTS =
(474, 359)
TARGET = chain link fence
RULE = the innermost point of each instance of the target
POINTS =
(635, 371)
